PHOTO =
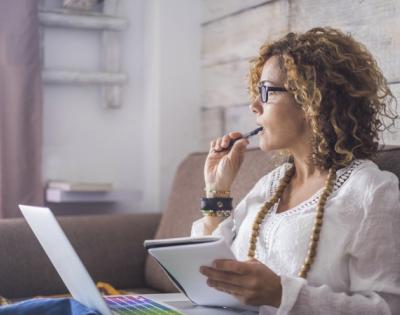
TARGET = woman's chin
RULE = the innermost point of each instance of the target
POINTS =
(264, 146)
(268, 146)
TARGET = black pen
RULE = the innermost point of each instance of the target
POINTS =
(245, 136)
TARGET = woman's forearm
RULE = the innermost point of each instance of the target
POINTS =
(211, 223)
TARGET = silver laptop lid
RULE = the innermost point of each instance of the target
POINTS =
(64, 258)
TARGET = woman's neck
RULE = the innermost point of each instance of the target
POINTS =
(305, 169)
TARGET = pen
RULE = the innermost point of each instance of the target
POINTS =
(245, 136)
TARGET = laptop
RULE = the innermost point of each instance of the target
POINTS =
(74, 274)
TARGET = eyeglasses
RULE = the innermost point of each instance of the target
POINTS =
(264, 91)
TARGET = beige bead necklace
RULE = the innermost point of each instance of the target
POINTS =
(312, 248)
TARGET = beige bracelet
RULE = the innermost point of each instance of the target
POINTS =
(214, 192)
(219, 213)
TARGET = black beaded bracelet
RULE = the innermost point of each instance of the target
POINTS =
(216, 204)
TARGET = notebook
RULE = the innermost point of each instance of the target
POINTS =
(181, 258)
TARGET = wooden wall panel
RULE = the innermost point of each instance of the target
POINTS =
(374, 23)
(220, 121)
(217, 9)
(239, 118)
(212, 126)
(240, 36)
(234, 29)
(225, 84)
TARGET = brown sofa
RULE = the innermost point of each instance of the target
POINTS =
(111, 246)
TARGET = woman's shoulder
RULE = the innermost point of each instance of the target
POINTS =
(368, 175)
(377, 188)
(377, 212)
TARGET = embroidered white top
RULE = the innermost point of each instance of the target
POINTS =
(357, 267)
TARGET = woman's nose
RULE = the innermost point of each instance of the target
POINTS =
(256, 106)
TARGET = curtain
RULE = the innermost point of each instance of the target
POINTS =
(20, 107)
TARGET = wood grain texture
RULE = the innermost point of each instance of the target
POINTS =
(240, 36)
(233, 30)
(239, 118)
(82, 77)
(92, 22)
(374, 23)
(212, 126)
(218, 9)
(225, 84)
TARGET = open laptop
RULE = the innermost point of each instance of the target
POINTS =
(75, 276)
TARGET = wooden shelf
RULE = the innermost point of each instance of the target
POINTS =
(94, 77)
(63, 18)
(62, 196)
(109, 75)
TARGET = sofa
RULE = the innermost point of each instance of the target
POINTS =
(111, 246)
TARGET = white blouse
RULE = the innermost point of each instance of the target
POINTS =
(357, 267)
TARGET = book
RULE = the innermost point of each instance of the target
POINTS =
(181, 259)
(58, 195)
(79, 186)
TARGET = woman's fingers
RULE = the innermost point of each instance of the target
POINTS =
(218, 145)
(233, 266)
(221, 276)
(226, 287)
(224, 142)
(231, 283)
(212, 145)
(235, 134)
(215, 144)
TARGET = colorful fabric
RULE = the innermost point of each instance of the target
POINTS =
(46, 306)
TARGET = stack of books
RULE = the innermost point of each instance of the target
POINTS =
(67, 191)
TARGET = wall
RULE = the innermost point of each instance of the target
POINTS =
(233, 30)
(172, 104)
(137, 147)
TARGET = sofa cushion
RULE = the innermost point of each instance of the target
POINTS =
(183, 205)
(110, 246)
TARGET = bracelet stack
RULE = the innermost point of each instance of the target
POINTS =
(217, 206)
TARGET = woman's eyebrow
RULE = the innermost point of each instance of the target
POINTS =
(269, 81)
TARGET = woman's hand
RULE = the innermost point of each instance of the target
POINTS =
(221, 167)
(251, 282)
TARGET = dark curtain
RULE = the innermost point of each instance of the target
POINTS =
(20, 107)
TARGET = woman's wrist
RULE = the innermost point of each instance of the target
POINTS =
(217, 195)
(212, 192)
(211, 223)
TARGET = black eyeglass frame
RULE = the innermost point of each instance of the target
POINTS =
(265, 89)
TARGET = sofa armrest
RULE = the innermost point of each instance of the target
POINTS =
(110, 246)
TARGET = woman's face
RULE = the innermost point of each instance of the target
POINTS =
(281, 117)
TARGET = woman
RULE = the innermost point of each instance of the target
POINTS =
(320, 233)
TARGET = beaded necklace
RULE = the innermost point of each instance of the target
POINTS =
(265, 208)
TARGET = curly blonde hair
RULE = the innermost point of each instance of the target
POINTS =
(340, 88)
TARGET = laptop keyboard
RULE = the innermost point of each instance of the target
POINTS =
(136, 304)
